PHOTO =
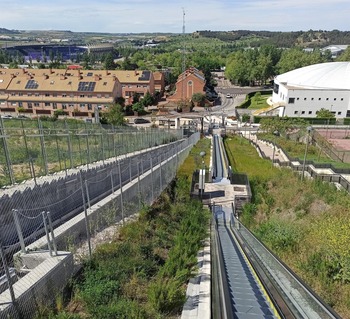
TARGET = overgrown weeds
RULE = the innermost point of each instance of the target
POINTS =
(306, 222)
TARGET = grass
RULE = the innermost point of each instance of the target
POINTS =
(143, 272)
(296, 149)
(306, 223)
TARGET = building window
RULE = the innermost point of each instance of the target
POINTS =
(64, 94)
(37, 94)
(47, 94)
(107, 96)
(302, 112)
(275, 88)
(30, 106)
(304, 98)
(54, 105)
(82, 105)
(71, 105)
(312, 99)
(190, 83)
(295, 112)
(339, 113)
(310, 112)
(29, 94)
(319, 99)
(342, 99)
(47, 104)
(20, 94)
(36, 104)
(13, 94)
(327, 98)
(54, 95)
(291, 100)
(82, 95)
(89, 106)
(297, 99)
(20, 104)
(64, 106)
(89, 96)
(335, 99)
(13, 103)
(99, 95)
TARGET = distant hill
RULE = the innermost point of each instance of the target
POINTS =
(6, 31)
(311, 38)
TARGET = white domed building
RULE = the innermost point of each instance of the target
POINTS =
(303, 92)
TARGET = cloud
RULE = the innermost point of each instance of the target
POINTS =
(154, 16)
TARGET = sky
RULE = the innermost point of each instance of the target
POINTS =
(136, 16)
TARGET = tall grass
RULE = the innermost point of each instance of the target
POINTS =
(143, 272)
(307, 223)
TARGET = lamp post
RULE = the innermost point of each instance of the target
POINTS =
(202, 173)
(309, 129)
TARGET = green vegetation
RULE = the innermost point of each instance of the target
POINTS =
(49, 145)
(256, 100)
(143, 272)
(306, 223)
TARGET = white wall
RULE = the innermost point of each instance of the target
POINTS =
(308, 101)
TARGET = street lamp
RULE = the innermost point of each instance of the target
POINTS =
(309, 129)
(202, 173)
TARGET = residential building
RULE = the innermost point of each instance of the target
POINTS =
(77, 92)
(42, 91)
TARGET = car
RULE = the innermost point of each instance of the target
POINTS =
(6, 116)
(140, 120)
(228, 96)
(22, 117)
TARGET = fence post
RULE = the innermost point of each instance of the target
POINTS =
(33, 170)
(152, 178)
(121, 190)
(138, 184)
(130, 172)
(160, 174)
(47, 233)
(7, 154)
(7, 273)
(112, 184)
(52, 233)
(69, 144)
(42, 144)
(87, 193)
(19, 230)
(85, 213)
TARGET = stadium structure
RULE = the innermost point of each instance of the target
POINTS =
(304, 91)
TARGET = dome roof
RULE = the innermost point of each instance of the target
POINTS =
(330, 75)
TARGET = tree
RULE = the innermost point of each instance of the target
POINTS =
(108, 62)
(147, 99)
(324, 113)
(114, 115)
(198, 98)
(138, 107)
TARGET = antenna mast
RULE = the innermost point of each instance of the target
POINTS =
(183, 57)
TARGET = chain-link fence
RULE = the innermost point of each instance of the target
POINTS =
(29, 148)
(48, 222)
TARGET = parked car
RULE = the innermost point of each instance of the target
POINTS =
(140, 120)
(6, 116)
(22, 117)
(228, 96)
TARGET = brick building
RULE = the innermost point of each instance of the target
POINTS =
(78, 92)
(188, 83)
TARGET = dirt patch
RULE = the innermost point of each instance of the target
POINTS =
(318, 207)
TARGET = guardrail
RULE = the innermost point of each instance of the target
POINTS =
(297, 295)
(334, 178)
